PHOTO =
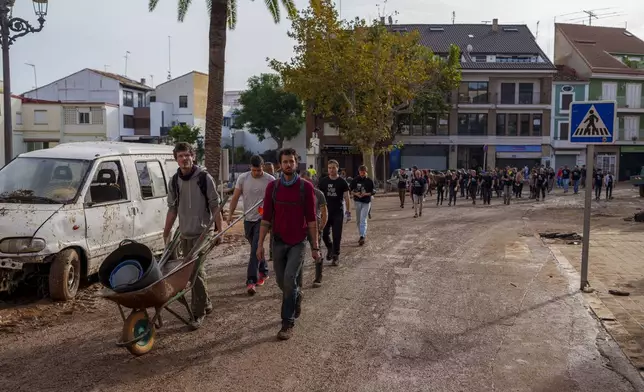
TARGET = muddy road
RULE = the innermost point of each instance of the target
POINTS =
(460, 299)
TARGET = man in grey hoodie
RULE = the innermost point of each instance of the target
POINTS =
(193, 198)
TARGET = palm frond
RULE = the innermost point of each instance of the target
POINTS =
(273, 9)
(182, 9)
(291, 11)
(232, 14)
(152, 5)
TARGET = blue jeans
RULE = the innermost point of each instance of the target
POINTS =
(287, 263)
(251, 232)
(566, 183)
(575, 185)
(362, 213)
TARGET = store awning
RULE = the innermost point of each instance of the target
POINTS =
(519, 155)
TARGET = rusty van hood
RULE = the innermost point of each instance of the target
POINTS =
(23, 220)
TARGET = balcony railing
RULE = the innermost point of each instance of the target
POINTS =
(623, 102)
(532, 98)
(628, 135)
(482, 99)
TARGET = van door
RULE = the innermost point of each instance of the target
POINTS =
(151, 203)
(109, 213)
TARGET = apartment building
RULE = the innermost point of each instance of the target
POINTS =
(90, 86)
(612, 59)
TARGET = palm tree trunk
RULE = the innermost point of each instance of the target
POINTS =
(216, 65)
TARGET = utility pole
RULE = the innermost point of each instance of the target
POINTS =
(453, 17)
(169, 57)
(35, 78)
(537, 35)
(591, 15)
(127, 55)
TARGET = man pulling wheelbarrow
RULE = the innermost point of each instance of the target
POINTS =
(193, 198)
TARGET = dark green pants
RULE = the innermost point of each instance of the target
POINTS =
(200, 298)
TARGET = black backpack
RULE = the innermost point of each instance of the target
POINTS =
(202, 182)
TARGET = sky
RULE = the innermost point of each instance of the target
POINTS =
(97, 34)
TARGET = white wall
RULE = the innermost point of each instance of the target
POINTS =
(160, 116)
(16, 142)
(82, 86)
(112, 125)
(169, 92)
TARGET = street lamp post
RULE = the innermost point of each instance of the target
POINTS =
(12, 28)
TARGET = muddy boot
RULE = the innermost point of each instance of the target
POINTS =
(318, 275)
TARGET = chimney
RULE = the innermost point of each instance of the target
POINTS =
(143, 81)
(382, 19)
(495, 25)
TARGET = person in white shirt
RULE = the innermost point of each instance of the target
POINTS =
(609, 182)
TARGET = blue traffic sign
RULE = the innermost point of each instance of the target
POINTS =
(593, 122)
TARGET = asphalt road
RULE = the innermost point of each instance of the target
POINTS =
(461, 299)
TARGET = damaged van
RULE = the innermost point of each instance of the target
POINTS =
(63, 210)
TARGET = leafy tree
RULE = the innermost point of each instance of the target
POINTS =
(223, 13)
(359, 75)
(188, 134)
(240, 155)
(268, 109)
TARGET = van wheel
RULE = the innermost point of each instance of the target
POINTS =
(64, 275)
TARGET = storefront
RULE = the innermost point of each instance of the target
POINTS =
(518, 156)
(570, 158)
(349, 159)
(424, 156)
(631, 160)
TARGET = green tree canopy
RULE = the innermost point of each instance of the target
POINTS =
(268, 109)
(360, 75)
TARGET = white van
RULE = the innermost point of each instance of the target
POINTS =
(63, 210)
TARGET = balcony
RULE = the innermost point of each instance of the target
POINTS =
(630, 135)
(533, 98)
(482, 99)
(623, 102)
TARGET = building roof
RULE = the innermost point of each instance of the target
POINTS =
(567, 74)
(125, 81)
(597, 45)
(93, 150)
(508, 39)
(179, 77)
(47, 102)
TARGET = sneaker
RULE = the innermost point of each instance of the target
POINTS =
(420, 214)
(329, 255)
(285, 333)
(361, 241)
(318, 275)
(415, 215)
(298, 306)
(369, 215)
(336, 260)
(317, 284)
(209, 308)
(197, 323)
(262, 279)
(251, 289)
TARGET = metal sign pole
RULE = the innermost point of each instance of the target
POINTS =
(590, 163)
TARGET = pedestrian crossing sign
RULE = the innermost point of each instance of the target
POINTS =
(593, 122)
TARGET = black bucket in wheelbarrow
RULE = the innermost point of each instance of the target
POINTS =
(130, 254)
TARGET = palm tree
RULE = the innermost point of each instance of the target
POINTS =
(223, 13)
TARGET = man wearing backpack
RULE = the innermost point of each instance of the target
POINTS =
(193, 198)
(289, 211)
(251, 186)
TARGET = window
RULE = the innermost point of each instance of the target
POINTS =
(525, 125)
(18, 118)
(183, 101)
(443, 125)
(227, 121)
(430, 124)
(403, 123)
(564, 130)
(500, 124)
(34, 146)
(473, 124)
(128, 98)
(128, 121)
(108, 184)
(508, 93)
(151, 179)
(526, 93)
(97, 116)
(153, 98)
(473, 92)
(140, 101)
(513, 124)
(331, 130)
(40, 117)
(83, 117)
(536, 124)
(566, 100)
(417, 124)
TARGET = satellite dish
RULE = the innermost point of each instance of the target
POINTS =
(470, 48)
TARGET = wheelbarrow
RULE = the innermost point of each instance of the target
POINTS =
(178, 277)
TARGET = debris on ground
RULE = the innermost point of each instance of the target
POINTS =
(639, 216)
(619, 293)
(568, 238)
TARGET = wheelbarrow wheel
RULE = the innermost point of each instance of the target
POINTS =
(134, 326)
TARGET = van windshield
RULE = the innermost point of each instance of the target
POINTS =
(42, 180)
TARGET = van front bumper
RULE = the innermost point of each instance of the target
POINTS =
(14, 270)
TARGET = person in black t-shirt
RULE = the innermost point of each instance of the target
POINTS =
(507, 180)
(565, 178)
(452, 187)
(463, 177)
(576, 178)
(540, 184)
(418, 189)
(598, 182)
(440, 187)
(472, 185)
(583, 175)
(336, 190)
(608, 180)
(362, 189)
(486, 187)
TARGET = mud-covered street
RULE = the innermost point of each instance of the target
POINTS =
(461, 299)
